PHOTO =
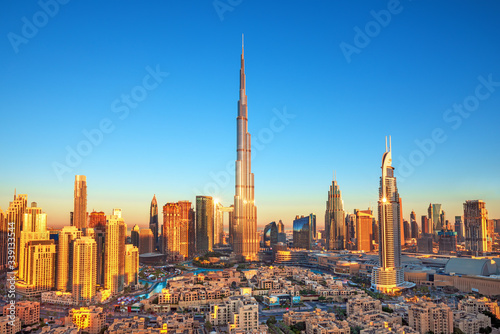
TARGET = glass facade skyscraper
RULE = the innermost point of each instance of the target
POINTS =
(302, 232)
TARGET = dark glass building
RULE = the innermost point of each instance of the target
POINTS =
(270, 235)
(302, 232)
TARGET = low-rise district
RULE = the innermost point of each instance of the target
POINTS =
(274, 299)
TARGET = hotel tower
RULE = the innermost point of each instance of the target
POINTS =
(245, 239)
(388, 277)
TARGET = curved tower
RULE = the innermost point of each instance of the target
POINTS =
(245, 239)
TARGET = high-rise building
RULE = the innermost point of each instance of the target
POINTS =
(375, 230)
(281, 227)
(245, 237)
(84, 270)
(100, 239)
(40, 261)
(191, 233)
(134, 235)
(302, 232)
(313, 226)
(146, 241)
(171, 231)
(406, 229)
(477, 239)
(204, 224)
(114, 253)
(34, 219)
(153, 221)
(447, 242)
(80, 202)
(270, 235)
(424, 243)
(430, 221)
(436, 217)
(388, 276)
(97, 219)
(185, 216)
(426, 225)
(25, 238)
(335, 219)
(414, 225)
(350, 225)
(459, 228)
(131, 265)
(15, 215)
(364, 235)
(64, 270)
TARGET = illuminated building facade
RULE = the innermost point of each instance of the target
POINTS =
(84, 270)
(80, 202)
(34, 219)
(153, 221)
(97, 219)
(245, 237)
(146, 241)
(131, 265)
(414, 225)
(64, 269)
(364, 235)
(186, 217)
(270, 234)
(15, 215)
(335, 228)
(25, 238)
(114, 253)
(477, 238)
(90, 320)
(171, 230)
(40, 262)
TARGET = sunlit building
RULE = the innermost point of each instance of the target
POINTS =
(270, 234)
(15, 215)
(114, 262)
(25, 238)
(415, 233)
(146, 241)
(186, 219)
(429, 317)
(153, 221)
(97, 219)
(91, 320)
(335, 228)
(131, 265)
(245, 237)
(9, 326)
(459, 228)
(80, 202)
(34, 219)
(100, 239)
(40, 256)
(302, 233)
(364, 233)
(28, 312)
(281, 227)
(64, 269)
(477, 239)
(171, 230)
(84, 270)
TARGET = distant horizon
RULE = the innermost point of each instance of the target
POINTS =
(142, 101)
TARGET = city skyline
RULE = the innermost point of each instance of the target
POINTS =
(442, 177)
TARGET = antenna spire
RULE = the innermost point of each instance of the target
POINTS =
(242, 42)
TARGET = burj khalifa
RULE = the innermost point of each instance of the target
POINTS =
(245, 238)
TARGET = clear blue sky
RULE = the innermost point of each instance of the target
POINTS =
(70, 74)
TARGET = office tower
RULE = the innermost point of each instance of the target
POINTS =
(23, 241)
(281, 227)
(436, 217)
(40, 261)
(146, 241)
(426, 225)
(302, 234)
(401, 223)
(477, 239)
(424, 244)
(430, 222)
(245, 239)
(15, 215)
(270, 234)
(364, 235)
(84, 270)
(171, 230)
(134, 235)
(407, 229)
(131, 265)
(97, 219)
(100, 239)
(388, 276)
(442, 220)
(191, 233)
(64, 270)
(414, 225)
(447, 242)
(218, 223)
(204, 224)
(459, 228)
(185, 215)
(313, 225)
(350, 225)
(153, 220)
(334, 219)
(375, 230)
(114, 253)
(34, 219)
(80, 202)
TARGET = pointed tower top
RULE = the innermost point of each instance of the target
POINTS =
(14, 194)
(154, 199)
(242, 42)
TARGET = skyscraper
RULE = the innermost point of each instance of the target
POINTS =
(459, 228)
(281, 227)
(97, 219)
(40, 260)
(15, 215)
(25, 238)
(302, 233)
(191, 233)
(313, 225)
(477, 239)
(245, 238)
(364, 234)
(34, 219)
(436, 217)
(185, 216)
(80, 202)
(131, 265)
(335, 228)
(64, 270)
(100, 239)
(153, 221)
(146, 241)
(84, 270)
(204, 224)
(114, 252)
(407, 229)
(134, 235)
(270, 234)
(388, 276)
(426, 225)
(171, 230)
(414, 225)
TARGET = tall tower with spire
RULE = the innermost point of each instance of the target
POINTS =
(153, 221)
(335, 227)
(245, 239)
(388, 276)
